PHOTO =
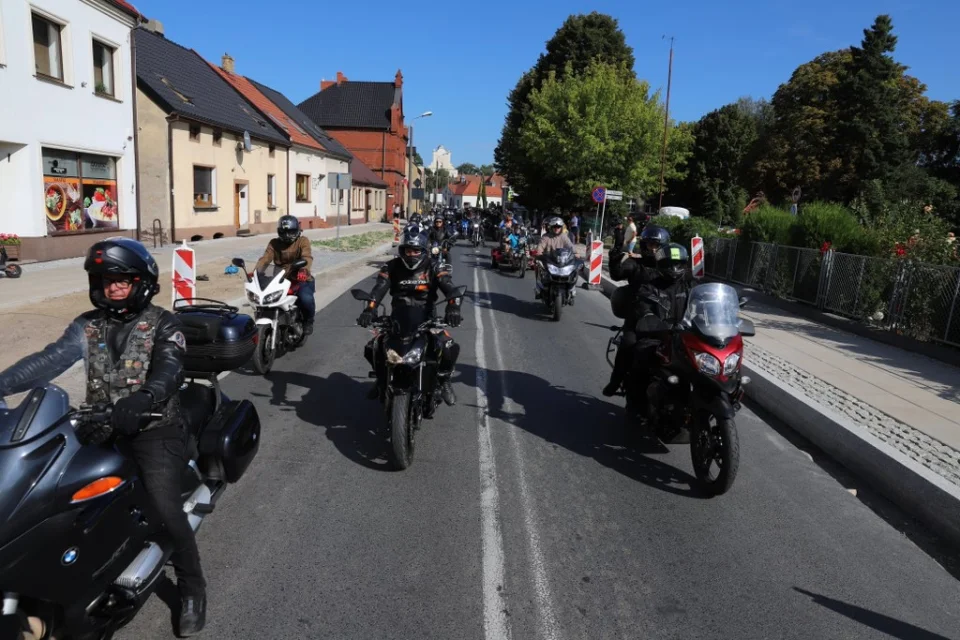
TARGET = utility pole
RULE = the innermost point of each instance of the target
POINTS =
(666, 125)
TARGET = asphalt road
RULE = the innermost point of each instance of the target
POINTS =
(526, 516)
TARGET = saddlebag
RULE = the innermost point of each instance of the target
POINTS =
(232, 437)
(218, 338)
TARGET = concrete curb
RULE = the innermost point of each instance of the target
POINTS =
(911, 486)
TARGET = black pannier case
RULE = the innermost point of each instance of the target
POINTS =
(219, 338)
(232, 437)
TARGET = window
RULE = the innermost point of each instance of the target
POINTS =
(47, 49)
(195, 132)
(103, 69)
(204, 187)
(79, 191)
(272, 191)
(217, 137)
(303, 188)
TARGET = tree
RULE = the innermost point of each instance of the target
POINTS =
(418, 159)
(601, 127)
(581, 40)
(468, 168)
(487, 170)
(482, 194)
(438, 179)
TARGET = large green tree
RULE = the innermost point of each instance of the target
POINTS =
(602, 126)
(468, 168)
(579, 41)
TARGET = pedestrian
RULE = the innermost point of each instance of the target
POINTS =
(630, 237)
(618, 235)
(574, 228)
(396, 211)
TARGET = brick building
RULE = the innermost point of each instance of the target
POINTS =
(367, 119)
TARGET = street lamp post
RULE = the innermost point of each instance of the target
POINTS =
(425, 114)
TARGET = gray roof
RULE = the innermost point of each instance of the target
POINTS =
(353, 105)
(182, 82)
(318, 134)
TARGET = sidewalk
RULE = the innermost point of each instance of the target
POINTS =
(47, 280)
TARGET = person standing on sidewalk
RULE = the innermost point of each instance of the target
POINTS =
(574, 228)
(396, 212)
(630, 237)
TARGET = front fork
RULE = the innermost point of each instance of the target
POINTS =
(273, 322)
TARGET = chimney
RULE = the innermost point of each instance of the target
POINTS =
(398, 79)
(341, 78)
(226, 63)
(326, 84)
(154, 25)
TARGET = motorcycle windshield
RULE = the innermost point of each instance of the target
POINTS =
(268, 275)
(713, 308)
(407, 319)
(563, 256)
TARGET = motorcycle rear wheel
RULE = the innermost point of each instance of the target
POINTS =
(523, 266)
(264, 355)
(13, 270)
(401, 433)
(715, 443)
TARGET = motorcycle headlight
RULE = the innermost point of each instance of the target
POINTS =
(567, 270)
(731, 363)
(273, 297)
(252, 297)
(393, 357)
(554, 270)
(413, 356)
(707, 364)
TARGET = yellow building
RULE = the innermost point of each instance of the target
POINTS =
(210, 164)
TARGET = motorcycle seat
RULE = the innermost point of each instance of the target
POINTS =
(197, 404)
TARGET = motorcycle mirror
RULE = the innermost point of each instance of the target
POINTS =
(238, 262)
(299, 264)
(743, 302)
(360, 294)
(746, 328)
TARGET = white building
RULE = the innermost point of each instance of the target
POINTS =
(67, 132)
(442, 160)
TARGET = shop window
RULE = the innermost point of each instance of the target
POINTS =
(204, 187)
(80, 192)
(195, 132)
(48, 48)
(303, 188)
(103, 69)
(272, 191)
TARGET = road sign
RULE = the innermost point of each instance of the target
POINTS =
(416, 194)
(614, 195)
(338, 180)
(599, 195)
(418, 183)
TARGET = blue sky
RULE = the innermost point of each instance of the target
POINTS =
(461, 60)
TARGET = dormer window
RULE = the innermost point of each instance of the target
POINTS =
(217, 137)
(195, 132)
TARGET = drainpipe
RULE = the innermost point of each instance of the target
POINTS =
(136, 133)
(289, 209)
(383, 152)
(173, 224)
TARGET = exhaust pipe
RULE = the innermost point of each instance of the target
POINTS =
(139, 572)
(200, 495)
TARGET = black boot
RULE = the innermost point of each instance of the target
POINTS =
(193, 615)
(446, 392)
(308, 329)
(612, 388)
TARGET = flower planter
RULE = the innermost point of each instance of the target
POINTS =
(13, 251)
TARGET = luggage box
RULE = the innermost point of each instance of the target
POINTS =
(219, 337)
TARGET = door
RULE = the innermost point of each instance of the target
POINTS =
(241, 205)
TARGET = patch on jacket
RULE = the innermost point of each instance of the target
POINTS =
(178, 339)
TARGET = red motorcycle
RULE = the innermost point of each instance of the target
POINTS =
(696, 386)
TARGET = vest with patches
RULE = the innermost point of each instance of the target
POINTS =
(108, 381)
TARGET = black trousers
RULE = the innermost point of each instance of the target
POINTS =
(161, 454)
(633, 349)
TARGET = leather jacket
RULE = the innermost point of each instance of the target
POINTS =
(166, 361)
(412, 288)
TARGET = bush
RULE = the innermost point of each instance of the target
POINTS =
(826, 222)
(767, 224)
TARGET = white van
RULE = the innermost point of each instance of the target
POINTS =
(677, 212)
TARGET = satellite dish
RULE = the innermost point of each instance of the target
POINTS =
(247, 145)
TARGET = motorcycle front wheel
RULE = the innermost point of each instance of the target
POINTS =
(13, 270)
(557, 305)
(401, 433)
(264, 354)
(715, 443)
(523, 266)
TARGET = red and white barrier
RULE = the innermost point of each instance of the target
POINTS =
(184, 273)
(396, 232)
(696, 257)
(596, 263)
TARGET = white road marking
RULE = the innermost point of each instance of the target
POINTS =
(549, 627)
(495, 623)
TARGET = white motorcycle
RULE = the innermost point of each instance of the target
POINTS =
(278, 318)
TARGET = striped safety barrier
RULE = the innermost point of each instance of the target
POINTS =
(596, 264)
(184, 274)
(696, 257)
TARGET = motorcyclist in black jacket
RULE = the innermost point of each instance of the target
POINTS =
(133, 352)
(413, 279)
(643, 279)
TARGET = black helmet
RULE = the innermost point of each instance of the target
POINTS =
(123, 257)
(416, 219)
(438, 218)
(673, 261)
(288, 229)
(413, 239)
(653, 238)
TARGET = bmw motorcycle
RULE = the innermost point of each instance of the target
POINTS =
(557, 282)
(401, 347)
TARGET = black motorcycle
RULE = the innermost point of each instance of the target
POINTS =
(81, 546)
(476, 233)
(8, 270)
(401, 349)
(558, 280)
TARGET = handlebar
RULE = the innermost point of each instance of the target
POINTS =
(101, 413)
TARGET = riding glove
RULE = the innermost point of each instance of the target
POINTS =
(366, 318)
(127, 416)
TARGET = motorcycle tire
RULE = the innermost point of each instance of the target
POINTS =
(724, 434)
(401, 433)
(263, 355)
(294, 344)
(557, 305)
(13, 270)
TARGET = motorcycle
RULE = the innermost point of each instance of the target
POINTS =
(8, 270)
(517, 259)
(81, 545)
(278, 318)
(476, 234)
(557, 281)
(402, 344)
(696, 386)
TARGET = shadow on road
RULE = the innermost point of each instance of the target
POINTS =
(890, 626)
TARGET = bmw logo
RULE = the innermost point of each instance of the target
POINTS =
(69, 556)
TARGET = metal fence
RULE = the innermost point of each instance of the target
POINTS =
(910, 298)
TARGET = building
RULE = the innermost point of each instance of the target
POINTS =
(442, 160)
(368, 197)
(210, 164)
(309, 160)
(67, 135)
(465, 191)
(367, 118)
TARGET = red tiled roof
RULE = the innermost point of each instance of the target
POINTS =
(126, 6)
(293, 130)
(471, 187)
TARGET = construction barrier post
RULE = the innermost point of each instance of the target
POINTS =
(184, 274)
(596, 263)
(696, 257)
(396, 232)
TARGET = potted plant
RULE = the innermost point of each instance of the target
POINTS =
(11, 242)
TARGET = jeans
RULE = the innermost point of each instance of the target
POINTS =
(308, 306)
(161, 455)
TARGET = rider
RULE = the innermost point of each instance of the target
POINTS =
(413, 280)
(288, 247)
(133, 352)
(550, 243)
(643, 279)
